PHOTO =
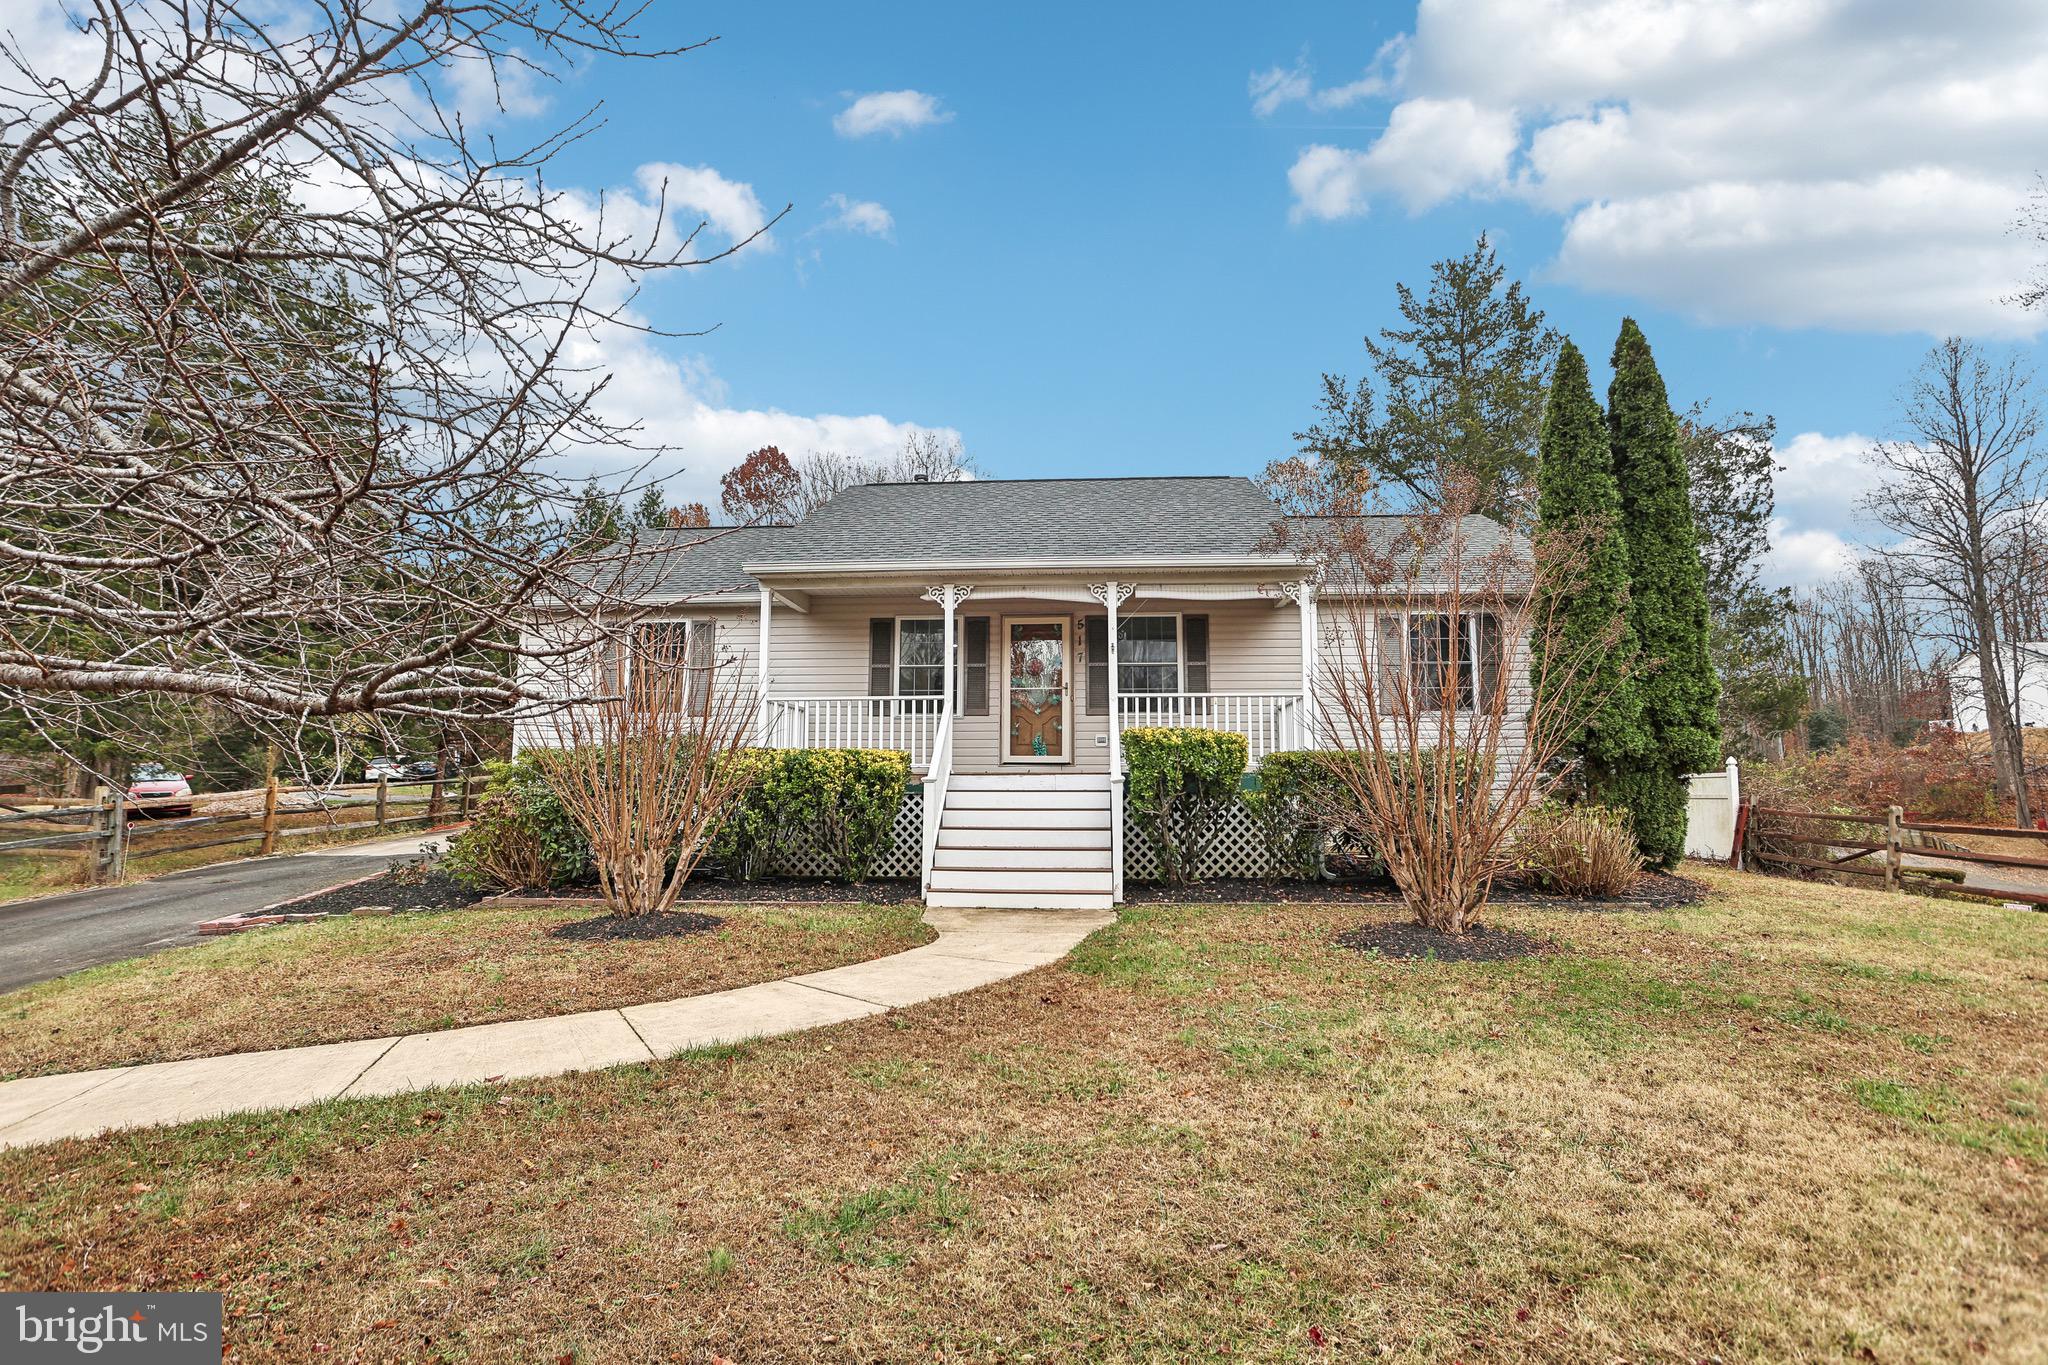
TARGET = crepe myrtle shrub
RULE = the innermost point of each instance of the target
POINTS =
(1452, 690)
(520, 835)
(1584, 850)
(845, 801)
(1181, 782)
(1286, 808)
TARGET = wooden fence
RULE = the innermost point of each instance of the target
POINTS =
(111, 835)
(1876, 846)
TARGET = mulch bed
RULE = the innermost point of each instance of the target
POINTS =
(1407, 940)
(431, 891)
(1652, 891)
(768, 891)
(606, 928)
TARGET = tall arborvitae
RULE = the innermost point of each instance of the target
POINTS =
(1667, 603)
(1578, 501)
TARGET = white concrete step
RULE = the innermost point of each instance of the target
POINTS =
(1027, 798)
(951, 837)
(1013, 879)
(1015, 900)
(1024, 818)
(1000, 858)
(1069, 782)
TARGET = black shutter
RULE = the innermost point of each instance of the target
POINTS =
(974, 667)
(1194, 641)
(882, 657)
(1390, 648)
(702, 661)
(1095, 642)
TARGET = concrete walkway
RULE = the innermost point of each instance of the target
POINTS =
(974, 948)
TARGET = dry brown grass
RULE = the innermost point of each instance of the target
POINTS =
(369, 976)
(1794, 1122)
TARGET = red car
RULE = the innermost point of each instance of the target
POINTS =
(156, 790)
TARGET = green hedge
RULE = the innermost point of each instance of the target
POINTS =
(1180, 783)
(1288, 806)
(520, 835)
(845, 800)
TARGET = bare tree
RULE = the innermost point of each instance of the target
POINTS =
(927, 456)
(1958, 487)
(284, 357)
(647, 774)
(1454, 688)
(1862, 645)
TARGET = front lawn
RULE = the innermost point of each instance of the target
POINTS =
(369, 976)
(1790, 1122)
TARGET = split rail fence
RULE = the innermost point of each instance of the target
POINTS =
(112, 833)
(1877, 846)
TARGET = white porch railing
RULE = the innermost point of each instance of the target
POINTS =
(1271, 722)
(937, 776)
(907, 724)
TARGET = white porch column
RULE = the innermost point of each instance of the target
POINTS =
(761, 671)
(1112, 595)
(949, 596)
(1311, 646)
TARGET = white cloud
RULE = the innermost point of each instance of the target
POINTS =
(1432, 150)
(1818, 485)
(1278, 86)
(1843, 163)
(729, 207)
(859, 215)
(894, 112)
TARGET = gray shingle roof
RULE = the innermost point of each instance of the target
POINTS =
(692, 562)
(1030, 519)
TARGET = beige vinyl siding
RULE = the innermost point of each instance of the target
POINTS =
(1341, 624)
(1253, 647)
(737, 640)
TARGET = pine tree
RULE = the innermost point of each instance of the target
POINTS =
(1667, 602)
(1578, 499)
(1456, 393)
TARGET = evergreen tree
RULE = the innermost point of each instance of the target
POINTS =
(651, 512)
(1578, 499)
(1667, 603)
(1455, 393)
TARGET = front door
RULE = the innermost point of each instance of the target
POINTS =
(1035, 702)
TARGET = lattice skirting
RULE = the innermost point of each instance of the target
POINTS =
(904, 858)
(1236, 852)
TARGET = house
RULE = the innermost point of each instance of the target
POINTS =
(1004, 633)
(2026, 683)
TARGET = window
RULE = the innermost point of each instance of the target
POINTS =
(1148, 654)
(920, 658)
(660, 648)
(1423, 650)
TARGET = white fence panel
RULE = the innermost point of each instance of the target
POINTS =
(1710, 813)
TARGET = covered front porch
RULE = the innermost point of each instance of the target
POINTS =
(1038, 675)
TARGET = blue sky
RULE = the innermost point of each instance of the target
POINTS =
(1098, 240)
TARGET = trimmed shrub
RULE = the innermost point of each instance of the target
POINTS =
(1286, 806)
(1578, 850)
(1180, 783)
(520, 835)
(844, 800)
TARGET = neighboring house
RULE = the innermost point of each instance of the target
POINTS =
(2027, 685)
(848, 627)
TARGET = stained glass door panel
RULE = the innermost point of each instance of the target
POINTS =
(1037, 697)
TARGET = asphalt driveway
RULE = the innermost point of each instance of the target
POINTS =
(48, 937)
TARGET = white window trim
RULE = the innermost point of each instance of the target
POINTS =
(1180, 655)
(1470, 619)
(896, 660)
